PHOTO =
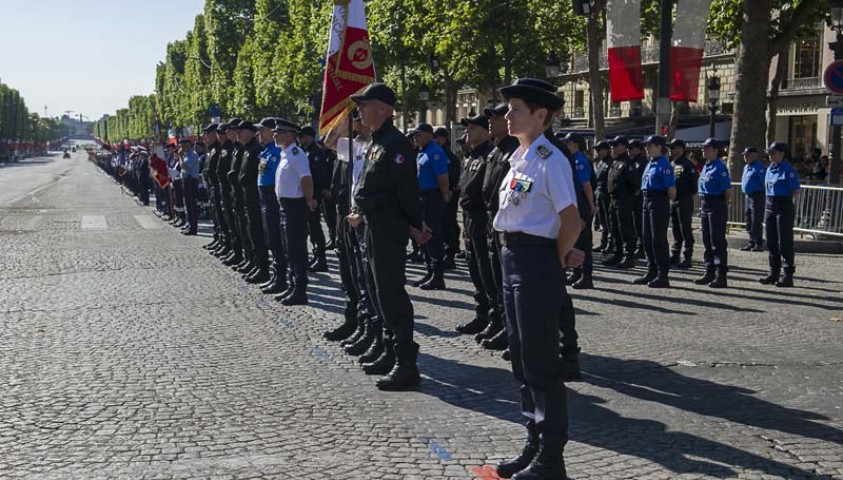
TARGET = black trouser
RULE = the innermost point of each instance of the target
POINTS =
(604, 215)
(713, 217)
(227, 206)
(755, 217)
(533, 289)
(272, 231)
(189, 187)
(238, 215)
(345, 257)
(479, 267)
(494, 246)
(314, 229)
(329, 210)
(363, 273)
(451, 226)
(219, 214)
(434, 206)
(637, 217)
(779, 217)
(386, 240)
(585, 242)
(143, 193)
(654, 229)
(681, 214)
(294, 214)
(178, 197)
(623, 234)
(254, 225)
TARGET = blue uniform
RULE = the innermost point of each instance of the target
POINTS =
(270, 157)
(781, 182)
(584, 170)
(432, 162)
(714, 183)
(752, 184)
(714, 179)
(658, 177)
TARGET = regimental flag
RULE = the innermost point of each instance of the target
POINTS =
(623, 29)
(349, 66)
(686, 50)
(158, 167)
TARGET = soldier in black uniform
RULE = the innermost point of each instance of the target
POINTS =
(387, 196)
(476, 227)
(494, 337)
(239, 210)
(226, 244)
(636, 153)
(624, 186)
(143, 177)
(602, 198)
(248, 179)
(235, 255)
(320, 168)
(210, 175)
(450, 224)
(682, 208)
(329, 203)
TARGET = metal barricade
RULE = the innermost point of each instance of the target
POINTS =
(819, 210)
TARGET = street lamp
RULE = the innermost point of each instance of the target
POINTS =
(424, 96)
(551, 66)
(713, 101)
(836, 46)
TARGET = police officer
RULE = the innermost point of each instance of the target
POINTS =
(658, 185)
(682, 207)
(294, 189)
(189, 163)
(581, 279)
(450, 224)
(248, 179)
(235, 247)
(716, 192)
(623, 184)
(209, 175)
(320, 168)
(602, 199)
(239, 196)
(636, 153)
(538, 224)
(387, 197)
(432, 168)
(267, 167)
(475, 226)
(219, 194)
(782, 186)
(752, 184)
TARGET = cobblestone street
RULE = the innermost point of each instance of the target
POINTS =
(127, 351)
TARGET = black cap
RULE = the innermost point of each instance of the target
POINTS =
(284, 125)
(533, 90)
(479, 120)
(244, 125)
(376, 91)
(711, 143)
(234, 122)
(307, 130)
(655, 140)
(184, 140)
(210, 128)
(777, 147)
(422, 127)
(222, 128)
(499, 109)
(442, 132)
(602, 145)
(574, 137)
(636, 144)
(676, 143)
(749, 150)
(266, 122)
(619, 140)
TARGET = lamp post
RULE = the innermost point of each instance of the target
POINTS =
(836, 46)
(551, 66)
(713, 101)
(424, 96)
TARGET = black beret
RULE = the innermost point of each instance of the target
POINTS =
(619, 140)
(479, 120)
(777, 147)
(422, 127)
(307, 130)
(655, 140)
(442, 132)
(266, 122)
(676, 143)
(499, 109)
(602, 145)
(748, 150)
(711, 143)
(535, 91)
(376, 91)
(244, 125)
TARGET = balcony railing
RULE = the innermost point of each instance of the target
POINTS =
(808, 83)
(649, 56)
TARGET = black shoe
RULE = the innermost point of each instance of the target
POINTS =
(640, 254)
(375, 350)
(649, 277)
(436, 282)
(705, 279)
(719, 281)
(272, 281)
(252, 271)
(613, 260)
(449, 264)
(747, 248)
(274, 288)
(585, 283)
(475, 326)
(321, 266)
(260, 276)
(427, 276)
(684, 264)
(222, 253)
(758, 248)
(245, 267)
(233, 260)
(674, 258)
(295, 299)
(286, 293)
(363, 343)
(332, 245)
(508, 468)
(786, 281)
(342, 332)
(506, 355)
(498, 342)
(401, 377)
(627, 262)
(362, 325)
(492, 329)
(770, 279)
(189, 232)
(383, 364)
(552, 469)
(660, 281)
(571, 371)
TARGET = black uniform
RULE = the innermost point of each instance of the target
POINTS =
(251, 213)
(143, 179)
(210, 175)
(682, 209)
(239, 202)
(320, 169)
(623, 184)
(227, 198)
(388, 196)
(345, 251)
(603, 201)
(329, 204)
(640, 162)
(450, 224)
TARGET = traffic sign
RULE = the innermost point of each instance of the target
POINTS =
(833, 76)
(834, 100)
(836, 117)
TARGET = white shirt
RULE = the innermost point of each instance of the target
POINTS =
(360, 148)
(291, 169)
(538, 186)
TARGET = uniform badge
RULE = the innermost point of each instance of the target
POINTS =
(543, 151)
(436, 156)
(399, 159)
(791, 175)
(520, 185)
(725, 174)
(295, 150)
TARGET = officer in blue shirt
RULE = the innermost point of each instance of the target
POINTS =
(581, 279)
(752, 184)
(658, 185)
(781, 186)
(270, 209)
(435, 192)
(189, 163)
(716, 192)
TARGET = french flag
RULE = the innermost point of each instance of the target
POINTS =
(623, 29)
(686, 51)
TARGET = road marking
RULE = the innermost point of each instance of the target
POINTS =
(94, 222)
(149, 222)
(435, 449)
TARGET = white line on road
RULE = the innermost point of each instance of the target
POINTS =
(149, 222)
(94, 222)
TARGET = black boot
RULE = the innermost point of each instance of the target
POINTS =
(719, 280)
(475, 326)
(233, 259)
(405, 373)
(771, 278)
(384, 363)
(270, 282)
(261, 275)
(584, 283)
(674, 257)
(427, 276)
(548, 463)
(627, 262)
(286, 293)
(787, 280)
(436, 282)
(358, 332)
(364, 342)
(686, 262)
(613, 260)
(647, 278)
(661, 281)
(450, 263)
(506, 355)
(574, 278)
(508, 468)
(705, 279)
(277, 286)
(498, 342)
(343, 331)
(640, 253)
(320, 265)
(492, 329)
(376, 349)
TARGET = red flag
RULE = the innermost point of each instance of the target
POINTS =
(686, 52)
(349, 66)
(623, 28)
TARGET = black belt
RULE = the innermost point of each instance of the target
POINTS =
(291, 200)
(713, 197)
(514, 239)
(654, 193)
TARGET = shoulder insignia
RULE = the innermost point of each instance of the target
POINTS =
(543, 151)
(436, 156)
(725, 174)
(225, 152)
(295, 150)
(791, 175)
(399, 159)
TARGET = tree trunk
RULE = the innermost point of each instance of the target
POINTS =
(674, 119)
(598, 115)
(773, 102)
(749, 122)
(450, 98)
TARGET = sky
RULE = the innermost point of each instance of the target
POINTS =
(87, 56)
